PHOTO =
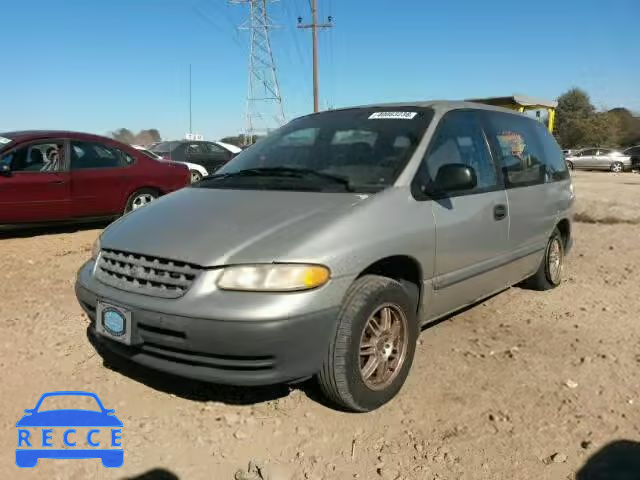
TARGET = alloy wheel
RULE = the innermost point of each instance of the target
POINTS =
(141, 200)
(554, 259)
(383, 346)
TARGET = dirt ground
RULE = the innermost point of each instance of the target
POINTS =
(525, 385)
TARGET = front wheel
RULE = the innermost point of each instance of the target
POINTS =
(549, 274)
(196, 176)
(571, 166)
(140, 198)
(617, 167)
(371, 355)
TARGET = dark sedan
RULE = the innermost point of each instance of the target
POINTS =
(210, 155)
(50, 176)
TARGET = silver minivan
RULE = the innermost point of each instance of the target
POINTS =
(323, 249)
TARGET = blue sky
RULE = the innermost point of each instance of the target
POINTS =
(97, 65)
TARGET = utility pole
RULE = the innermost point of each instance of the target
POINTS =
(190, 116)
(263, 90)
(314, 26)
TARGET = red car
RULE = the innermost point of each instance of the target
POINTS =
(49, 176)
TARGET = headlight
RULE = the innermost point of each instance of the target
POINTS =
(273, 277)
(95, 249)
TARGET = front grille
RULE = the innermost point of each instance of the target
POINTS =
(143, 274)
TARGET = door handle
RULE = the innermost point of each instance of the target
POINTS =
(56, 182)
(499, 212)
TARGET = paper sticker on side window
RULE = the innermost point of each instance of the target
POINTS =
(392, 115)
(4, 141)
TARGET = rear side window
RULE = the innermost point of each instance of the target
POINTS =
(588, 152)
(165, 147)
(94, 155)
(459, 139)
(212, 148)
(553, 156)
(518, 148)
(349, 137)
(305, 137)
(195, 149)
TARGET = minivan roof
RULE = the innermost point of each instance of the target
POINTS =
(439, 104)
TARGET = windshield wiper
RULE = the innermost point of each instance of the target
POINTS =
(283, 172)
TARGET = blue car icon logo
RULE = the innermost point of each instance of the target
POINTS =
(104, 431)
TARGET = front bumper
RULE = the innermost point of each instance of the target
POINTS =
(236, 352)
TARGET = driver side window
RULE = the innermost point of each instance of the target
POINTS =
(459, 140)
(41, 157)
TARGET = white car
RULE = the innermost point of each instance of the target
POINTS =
(198, 172)
(232, 148)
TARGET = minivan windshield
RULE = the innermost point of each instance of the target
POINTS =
(353, 150)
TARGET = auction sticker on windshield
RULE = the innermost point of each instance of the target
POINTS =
(4, 140)
(392, 115)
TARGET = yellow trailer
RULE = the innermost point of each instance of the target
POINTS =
(523, 103)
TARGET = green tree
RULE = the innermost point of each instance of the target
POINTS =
(233, 140)
(629, 126)
(578, 123)
(574, 113)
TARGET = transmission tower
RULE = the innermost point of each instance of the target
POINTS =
(264, 102)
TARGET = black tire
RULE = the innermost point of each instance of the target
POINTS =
(340, 377)
(135, 196)
(544, 279)
(571, 166)
(196, 176)
(617, 167)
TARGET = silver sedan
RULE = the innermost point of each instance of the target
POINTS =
(599, 159)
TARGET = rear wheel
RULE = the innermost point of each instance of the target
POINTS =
(549, 274)
(372, 352)
(617, 167)
(571, 166)
(139, 199)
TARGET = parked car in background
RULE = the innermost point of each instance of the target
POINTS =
(232, 148)
(325, 247)
(50, 176)
(599, 159)
(209, 155)
(196, 172)
(634, 153)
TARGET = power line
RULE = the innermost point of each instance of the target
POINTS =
(314, 26)
(263, 90)
(212, 18)
(295, 41)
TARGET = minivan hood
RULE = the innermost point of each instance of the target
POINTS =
(210, 227)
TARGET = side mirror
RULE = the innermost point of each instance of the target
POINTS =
(28, 410)
(5, 169)
(455, 177)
